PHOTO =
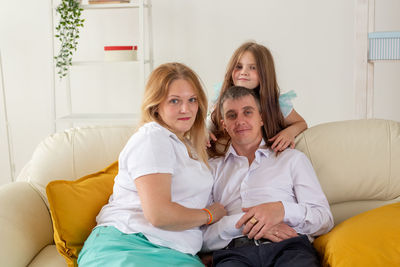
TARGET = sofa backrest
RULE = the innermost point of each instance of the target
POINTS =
(74, 153)
(357, 163)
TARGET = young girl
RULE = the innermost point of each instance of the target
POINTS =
(163, 184)
(252, 66)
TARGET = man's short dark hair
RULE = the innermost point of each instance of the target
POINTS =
(237, 92)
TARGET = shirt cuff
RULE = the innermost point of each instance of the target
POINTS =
(293, 214)
(218, 235)
(227, 228)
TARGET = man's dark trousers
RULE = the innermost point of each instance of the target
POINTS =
(293, 252)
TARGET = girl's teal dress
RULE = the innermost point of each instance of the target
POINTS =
(285, 100)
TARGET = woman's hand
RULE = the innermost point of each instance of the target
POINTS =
(217, 210)
(282, 140)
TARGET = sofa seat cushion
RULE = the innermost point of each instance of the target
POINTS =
(371, 238)
(48, 257)
(74, 206)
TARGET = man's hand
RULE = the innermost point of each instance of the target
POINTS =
(280, 232)
(259, 219)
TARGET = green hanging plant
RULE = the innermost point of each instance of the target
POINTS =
(67, 32)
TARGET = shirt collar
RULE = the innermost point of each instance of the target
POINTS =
(166, 130)
(262, 148)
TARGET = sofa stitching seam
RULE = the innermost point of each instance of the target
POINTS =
(308, 149)
(390, 159)
(73, 154)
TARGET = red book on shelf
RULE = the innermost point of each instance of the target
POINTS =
(108, 1)
(113, 48)
(120, 53)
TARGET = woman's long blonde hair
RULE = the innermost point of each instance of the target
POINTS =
(157, 90)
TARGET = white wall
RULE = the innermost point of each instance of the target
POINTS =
(5, 164)
(313, 49)
(26, 52)
(387, 73)
(312, 42)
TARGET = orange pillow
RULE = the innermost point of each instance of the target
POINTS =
(74, 206)
(371, 238)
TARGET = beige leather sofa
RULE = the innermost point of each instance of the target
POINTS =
(357, 162)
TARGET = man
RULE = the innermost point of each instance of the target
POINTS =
(275, 204)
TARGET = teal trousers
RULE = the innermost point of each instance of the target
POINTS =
(107, 246)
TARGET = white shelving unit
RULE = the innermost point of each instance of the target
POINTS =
(364, 65)
(383, 46)
(120, 118)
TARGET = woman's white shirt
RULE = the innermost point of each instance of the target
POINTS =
(155, 149)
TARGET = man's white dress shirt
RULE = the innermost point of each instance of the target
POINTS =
(288, 177)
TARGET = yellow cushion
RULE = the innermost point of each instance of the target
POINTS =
(74, 206)
(371, 239)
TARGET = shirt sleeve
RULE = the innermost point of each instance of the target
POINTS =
(150, 152)
(217, 90)
(311, 214)
(219, 234)
(211, 106)
(285, 102)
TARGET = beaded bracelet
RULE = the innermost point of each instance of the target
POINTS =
(209, 214)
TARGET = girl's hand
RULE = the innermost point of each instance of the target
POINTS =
(282, 140)
(211, 137)
(217, 210)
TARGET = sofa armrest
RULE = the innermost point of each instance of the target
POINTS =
(25, 224)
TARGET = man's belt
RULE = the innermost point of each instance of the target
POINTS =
(244, 241)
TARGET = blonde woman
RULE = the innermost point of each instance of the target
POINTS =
(163, 185)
